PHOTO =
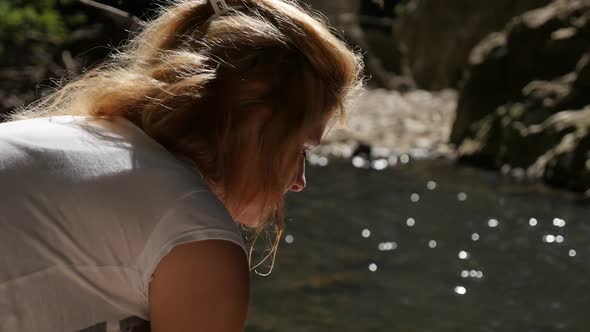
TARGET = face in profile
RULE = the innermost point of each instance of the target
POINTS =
(294, 180)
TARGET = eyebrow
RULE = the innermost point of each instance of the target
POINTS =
(316, 142)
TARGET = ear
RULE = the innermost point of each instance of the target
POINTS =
(254, 117)
(258, 115)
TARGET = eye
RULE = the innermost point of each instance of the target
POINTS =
(305, 151)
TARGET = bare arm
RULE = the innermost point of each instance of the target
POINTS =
(200, 286)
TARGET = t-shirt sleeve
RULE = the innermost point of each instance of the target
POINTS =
(194, 217)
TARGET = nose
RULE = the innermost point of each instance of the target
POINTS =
(299, 184)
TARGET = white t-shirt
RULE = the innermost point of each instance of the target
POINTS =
(87, 210)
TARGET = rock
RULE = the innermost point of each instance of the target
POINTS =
(437, 36)
(556, 150)
(583, 74)
(362, 150)
(570, 166)
(516, 124)
(567, 164)
(504, 63)
(520, 108)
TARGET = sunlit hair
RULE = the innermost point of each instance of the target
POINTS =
(189, 80)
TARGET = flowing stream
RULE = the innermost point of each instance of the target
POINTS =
(426, 246)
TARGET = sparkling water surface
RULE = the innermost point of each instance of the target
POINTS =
(425, 246)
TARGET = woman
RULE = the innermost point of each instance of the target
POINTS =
(123, 191)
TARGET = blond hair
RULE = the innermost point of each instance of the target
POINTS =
(189, 79)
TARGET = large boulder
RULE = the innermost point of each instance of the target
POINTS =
(437, 36)
(525, 104)
(568, 163)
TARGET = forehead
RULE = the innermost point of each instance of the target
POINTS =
(317, 130)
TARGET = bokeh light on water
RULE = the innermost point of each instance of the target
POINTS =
(367, 258)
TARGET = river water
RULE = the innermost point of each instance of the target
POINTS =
(426, 246)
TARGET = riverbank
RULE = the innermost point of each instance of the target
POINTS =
(391, 124)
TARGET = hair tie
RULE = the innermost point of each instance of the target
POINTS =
(219, 7)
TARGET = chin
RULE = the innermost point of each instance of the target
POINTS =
(249, 218)
(250, 223)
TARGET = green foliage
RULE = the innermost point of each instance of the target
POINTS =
(399, 9)
(21, 20)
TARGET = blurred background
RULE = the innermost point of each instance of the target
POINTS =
(459, 197)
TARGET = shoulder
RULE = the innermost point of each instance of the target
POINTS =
(200, 286)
